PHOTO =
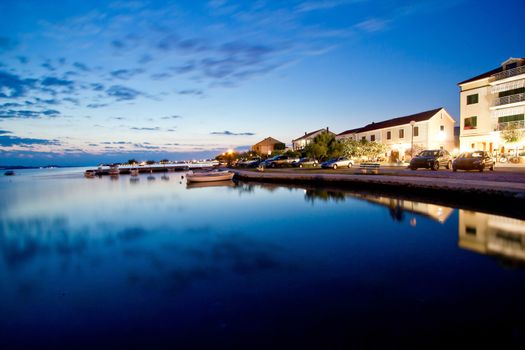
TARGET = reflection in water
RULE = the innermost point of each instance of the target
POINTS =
(109, 261)
(492, 235)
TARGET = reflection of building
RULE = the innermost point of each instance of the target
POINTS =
(304, 140)
(267, 146)
(492, 234)
(432, 130)
(491, 102)
(398, 206)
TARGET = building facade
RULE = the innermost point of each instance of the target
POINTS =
(267, 146)
(490, 103)
(303, 141)
(432, 129)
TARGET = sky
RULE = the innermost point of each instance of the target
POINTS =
(89, 82)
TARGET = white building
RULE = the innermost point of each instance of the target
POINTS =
(489, 103)
(303, 141)
(432, 129)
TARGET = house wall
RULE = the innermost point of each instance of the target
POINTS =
(482, 133)
(436, 138)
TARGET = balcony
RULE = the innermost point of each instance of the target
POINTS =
(509, 73)
(520, 124)
(508, 99)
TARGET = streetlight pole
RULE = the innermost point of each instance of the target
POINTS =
(412, 123)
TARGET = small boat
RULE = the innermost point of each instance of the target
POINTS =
(9, 173)
(209, 176)
(134, 172)
(114, 171)
(90, 174)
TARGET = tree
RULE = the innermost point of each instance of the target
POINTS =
(513, 134)
(323, 146)
(132, 162)
(150, 162)
(363, 148)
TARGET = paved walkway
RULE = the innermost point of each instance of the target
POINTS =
(508, 184)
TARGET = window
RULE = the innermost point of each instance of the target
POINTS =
(363, 138)
(401, 133)
(471, 99)
(511, 118)
(416, 130)
(469, 230)
(512, 92)
(388, 135)
(442, 128)
(372, 137)
(470, 123)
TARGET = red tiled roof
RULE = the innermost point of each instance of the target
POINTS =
(268, 140)
(418, 117)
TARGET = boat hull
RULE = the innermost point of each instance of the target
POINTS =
(211, 177)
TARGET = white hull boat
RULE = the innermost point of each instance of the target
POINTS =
(211, 176)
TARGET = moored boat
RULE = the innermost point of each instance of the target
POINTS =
(209, 176)
(9, 173)
(134, 172)
(114, 170)
(90, 174)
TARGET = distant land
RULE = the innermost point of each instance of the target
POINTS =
(15, 167)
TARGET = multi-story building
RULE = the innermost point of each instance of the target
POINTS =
(432, 129)
(303, 141)
(492, 102)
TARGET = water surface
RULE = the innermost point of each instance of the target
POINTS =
(103, 262)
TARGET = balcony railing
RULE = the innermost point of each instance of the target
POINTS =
(509, 73)
(509, 99)
(520, 124)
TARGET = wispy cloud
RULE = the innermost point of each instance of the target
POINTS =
(230, 133)
(9, 141)
(122, 93)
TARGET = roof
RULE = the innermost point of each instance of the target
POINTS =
(491, 72)
(418, 117)
(269, 140)
(310, 134)
(482, 76)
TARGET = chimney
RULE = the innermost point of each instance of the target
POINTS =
(327, 130)
(305, 133)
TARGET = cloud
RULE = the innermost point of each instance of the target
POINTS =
(160, 76)
(12, 86)
(230, 133)
(122, 93)
(9, 141)
(172, 117)
(196, 92)
(53, 81)
(372, 25)
(144, 146)
(145, 128)
(96, 105)
(28, 114)
(145, 59)
(47, 65)
(126, 74)
(81, 66)
(22, 59)
(97, 87)
(315, 5)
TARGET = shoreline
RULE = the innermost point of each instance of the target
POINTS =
(495, 196)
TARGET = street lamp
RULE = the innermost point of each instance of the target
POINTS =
(412, 123)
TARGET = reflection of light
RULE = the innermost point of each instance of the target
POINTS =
(440, 136)
(413, 222)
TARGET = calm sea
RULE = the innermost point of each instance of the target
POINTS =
(155, 263)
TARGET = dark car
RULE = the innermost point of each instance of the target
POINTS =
(304, 162)
(476, 160)
(249, 163)
(278, 161)
(337, 163)
(431, 159)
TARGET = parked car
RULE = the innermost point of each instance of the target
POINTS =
(476, 160)
(304, 162)
(431, 159)
(335, 163)
(249, 163)
(278, 161)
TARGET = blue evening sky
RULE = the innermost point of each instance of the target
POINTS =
(83, 82)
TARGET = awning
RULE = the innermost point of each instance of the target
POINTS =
(511, 85)
(508, 111)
